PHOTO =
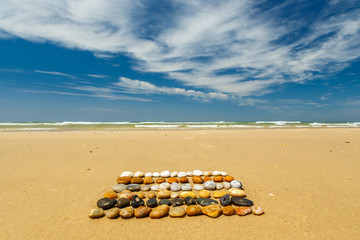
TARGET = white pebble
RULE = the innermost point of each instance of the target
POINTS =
(216, 173)
(207, 173)
(182, 174)
(139, 174)
(156, 174)
(186, 187)
(227, 185)
(165, 186)
(219, 186)
(126, 174)
(235, 184)
(197, 173)
(189, 174)
(165, 174)
(155, 187)
(209, 185)
(198, 187)
(224, 174)
(173, 174)
(175, 187)
(148, 174)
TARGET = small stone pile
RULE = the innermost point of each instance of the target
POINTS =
(167, 191)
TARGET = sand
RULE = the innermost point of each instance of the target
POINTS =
(307, 180)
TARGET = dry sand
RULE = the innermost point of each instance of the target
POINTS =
(307, 180)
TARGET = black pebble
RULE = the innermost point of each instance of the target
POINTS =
(106, 203)
(239, 201)
(190, 201)
(151, 202)
(225, 200)
(136, 201)
(206, 201)
(123, 202)
(164, 202)
(177, 202)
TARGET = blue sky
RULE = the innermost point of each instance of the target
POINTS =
(179, 60)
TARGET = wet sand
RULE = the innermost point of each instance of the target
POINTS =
(307, 180)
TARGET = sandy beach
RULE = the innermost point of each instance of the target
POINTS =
(307, 180)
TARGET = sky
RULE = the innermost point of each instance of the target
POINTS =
(176, 60)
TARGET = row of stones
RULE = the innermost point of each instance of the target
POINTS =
(167, 174)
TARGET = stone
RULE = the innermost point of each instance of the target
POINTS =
(236, 184)
(145, 188)
(239, 201)
(110, 194)
(126, 194)
(189, 174)
(204, 194)
(133, 187)
(96, 213)
(165, 174)
(227, 185)
(142, 211)
(127, 212)
(165, 186)
(162, 193)
(119, 187)
(137, 180)
(177, 212)
(184, 180)
(197, 173)
(151, 195)
(126, 174)
(139, 174)
(123, 202)
(141, 195)
(257, 210)
(106, 203)
(193, 210)
(211, 211)
(155, 187)
(219, 194)
(228, 178)
(156, 174)
(197, 179)
(182, 174)
(137, 202)
(173, 174)
(216, 173)
(209, 185)
(225, 200)
(160, 211)
(148, 174)
(165, 202)
(206, 201)
(219, 186)
(172, 179)
(188, 194)
(160, 180)
(207, 179)
(190, 201)
(175, 187)
(175, 195)
(207, 173)
(236, 192)
(186, 187)
(228, 210)
(218, 178)
(148, 180)
(242, 211)
(177, 202)
(123, 180)
(223, 173)
(113, 213)
(151, 203)
(198, 187)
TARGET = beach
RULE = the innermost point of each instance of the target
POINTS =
(307, 181)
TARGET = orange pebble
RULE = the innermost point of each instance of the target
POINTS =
(197, 179)
(228, 178)
(218, 179)
(184, 180)
(173, 179)
(207, 179)
(123, 180)
(111, 194)
(160, 180)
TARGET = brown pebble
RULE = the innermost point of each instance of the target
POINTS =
(242, 211)
(142, 212)
(207, 179)
(228, 178)
(141, 195)
(111, 195)
(127, 212)
(177, 212)
(193, 210)
(204, 194)
(123, 180)
(160, 180)
(137, 180)
(148, 180)
(126, 194)
(228, 210)
(197, 179)
(184, 180)
(113, 213)
(151, 195)
(160, 211)
(218, 178)
(162, 193)
(211, 211)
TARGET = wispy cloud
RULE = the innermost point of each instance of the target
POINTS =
(55, 73)
(97, 75)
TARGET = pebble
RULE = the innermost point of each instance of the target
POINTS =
(126, 194)
(188, 194)
(219, 186)
(160, 180)
(145, 188)
(155, 187)
(209, 185)
(127, 212)
(198, 187)
(141, 195)
(184, 180)
(197, 179)
(189, 174)
(207, 179)
(206, 201)
(242, 211)
(206, 173)
(239, 201)
(111, 194)
(228, 210)
(236, 184)
(177, 212)
(218, 178)
(165, 174)
(119, 187)
(151, 195)
(186, 187)
(136, 201)
(133, 187)
(162, 193)
(204, 194)
(148, 174)
(211, 211)
(156, 174)
(96, 213)
(257, 210)
(175, 187)
(177, 202)
(228, 178)
(142, 211)
(173, 174)
(193, 210)
(197, 173)
(236, 192)
(227, 185)
(190, 201)
(151, 203)
(148, 180)
(160, 211)
(165, 186)
(223, 173)
(113, 213)
(219, 194)
(106, 203)
(123, 180)
(123, 202)
(165, 202)
(126, 174)
(139, 174)
(172, 179)
(175, 195)
(182, 174)
(137, 180)
(225, 200)
(216, 173)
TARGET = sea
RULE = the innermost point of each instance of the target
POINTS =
(113, 126)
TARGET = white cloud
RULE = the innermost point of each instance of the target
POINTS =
(97, 75)
(55, 73)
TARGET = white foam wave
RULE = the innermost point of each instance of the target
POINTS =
(281, 123)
